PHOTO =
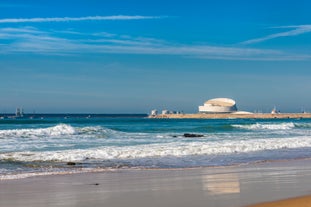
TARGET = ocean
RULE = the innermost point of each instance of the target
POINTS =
(69, 143)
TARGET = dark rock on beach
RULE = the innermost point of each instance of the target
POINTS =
(193, 135)
(71, 163)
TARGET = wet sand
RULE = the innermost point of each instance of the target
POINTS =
(234, 186)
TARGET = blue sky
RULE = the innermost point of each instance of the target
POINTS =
(114, 56)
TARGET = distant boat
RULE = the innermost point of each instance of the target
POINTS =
(19, 112)
(275, 111)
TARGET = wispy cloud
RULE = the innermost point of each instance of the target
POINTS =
(87, 18)
(295, 30)
(32, 40)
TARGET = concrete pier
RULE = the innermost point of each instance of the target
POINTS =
(234, 116)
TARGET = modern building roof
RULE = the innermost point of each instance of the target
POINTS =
(220, 102)
(218, 105)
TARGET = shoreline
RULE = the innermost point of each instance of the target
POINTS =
(74, 171)
(224, 186)
(233, 116)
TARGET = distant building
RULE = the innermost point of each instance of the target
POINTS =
(219, 105)
(154, 112)
(165, 112)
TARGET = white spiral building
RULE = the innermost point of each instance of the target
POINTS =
(218, 105)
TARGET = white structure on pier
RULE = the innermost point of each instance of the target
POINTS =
(219, 105)
(154, 112)
(164, 112)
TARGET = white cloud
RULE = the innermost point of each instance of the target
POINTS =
(87, 18)
(32, 40)
(295, 30)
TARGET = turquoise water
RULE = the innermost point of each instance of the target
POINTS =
(66, 143)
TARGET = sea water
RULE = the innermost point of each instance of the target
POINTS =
(49, 144)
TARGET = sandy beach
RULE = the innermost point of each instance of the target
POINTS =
(303, 201)
(233, 186)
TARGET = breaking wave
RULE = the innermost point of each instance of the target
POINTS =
(55, 131)
(111, 143)
(152, 151)
(259, 126)
(60, 129)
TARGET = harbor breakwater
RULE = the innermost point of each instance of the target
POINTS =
(234, 116)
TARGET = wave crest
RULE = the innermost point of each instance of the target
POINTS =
(258, 126)
(162, 150)
(58, 130)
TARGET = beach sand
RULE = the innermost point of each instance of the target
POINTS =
(233, 186)
(304, 201)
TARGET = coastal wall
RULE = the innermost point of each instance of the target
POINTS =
(235, 116)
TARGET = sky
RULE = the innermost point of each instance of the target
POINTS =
(132, 56)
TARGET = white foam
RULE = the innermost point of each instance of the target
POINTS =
(33, 174)
(259, 126)
(58, 130)
(162, 150)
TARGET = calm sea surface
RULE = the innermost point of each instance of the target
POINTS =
(46, 144)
